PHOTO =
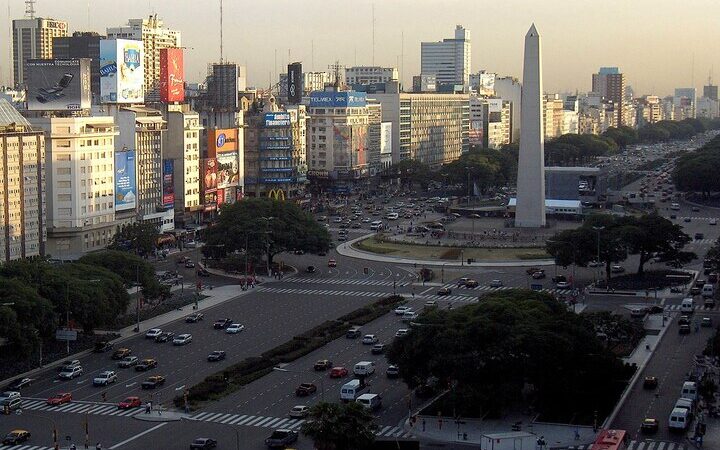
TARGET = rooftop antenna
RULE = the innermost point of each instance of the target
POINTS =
(30, 9)
(373, 35)
(336, 69)
(692, 71)
(221, 31)
(402, 56)
(312, 56)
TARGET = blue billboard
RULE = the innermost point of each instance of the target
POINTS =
(125, 183)
(277, 119)
(347, 99)
(168, 195)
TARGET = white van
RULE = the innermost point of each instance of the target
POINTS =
(708, 290)
(684, 403)
(370, 401)
(351, 390)
(364, 368)
(689, 390)
(675, 206)
(376, 225)
(392, 216)
(687, 306)
(679, 419)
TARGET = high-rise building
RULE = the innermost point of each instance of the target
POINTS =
(22, 186)
(609, 83)
(490, 122)
(223, 87)
(684, 103)
(33, 39)
(82, 44)
(710, 91)
(81, 179)
(181, 144)
(364, 75)
(310, 82)
(449, 59)
(374, 136)
(155, 36)
(510, 89)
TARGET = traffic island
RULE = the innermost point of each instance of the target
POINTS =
(160, 415)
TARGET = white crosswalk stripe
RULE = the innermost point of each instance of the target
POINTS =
(25, 447)
(350, 281)
(79, 407)
(696, 308)
(640, 445)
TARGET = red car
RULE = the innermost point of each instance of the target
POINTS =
(338, 372)
(130, 402)
(59, 399)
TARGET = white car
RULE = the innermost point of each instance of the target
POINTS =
(409, 315)
(152, 333)
(401, 332)
(431, 303)
(105, 378)
(234, 328)
(369, 339)
(299, 411)
(69, 373)
(713, 221)
(562, 285)
(496, 283)
(182, 339)
(9, 395)
(594, 264)
(400, 310)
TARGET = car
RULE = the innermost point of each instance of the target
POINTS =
(165, 336)
(8, 395)
(153, 382)
(105, 378)
(332, 263)
(299, 411)
(369, 339)
(676, 289)
(401, 332)
(471, 284)
(342, 238)
(650, 382)
(203, 444)
(310, 269)
(338, 372)
(194, 318)
(462, 281)
(695, 290)
(217, 355)
(102, 346)
(617, 269)
(540, 274)
(684, 329)
(182, 339)
(299, 252)
(400, 310)
(128, 361)
(430, 303)
(59, 399)
(281, 438)
(305, 389)
(392, 371)
(146, 364)
(121, 353)
(559, 278)
(496, 283)
(69, 364)
(353, 332)
(673, 216)
(532, 270)
(378, 349)
(152, 333)
(649, 425)
(713, 221)
(706, 322)
(409, 316)
(444, 291)
(234, 328)
(16, 437)
(695, 209)
(189, 264)
(322, 364)
(222, 323)
(70, 373)
(684, 320)
(594, 263)
(562, 285)
(687, 220)
(130, 402)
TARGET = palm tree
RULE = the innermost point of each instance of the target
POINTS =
(334, 426)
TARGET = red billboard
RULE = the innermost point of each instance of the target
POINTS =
(172, 75)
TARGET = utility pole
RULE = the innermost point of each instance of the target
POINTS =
(67, 314)
(137, 296)
(221, 31)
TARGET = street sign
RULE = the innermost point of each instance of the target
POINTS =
(536, 287)
(66, 335)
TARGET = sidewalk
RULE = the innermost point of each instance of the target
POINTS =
(346, 249)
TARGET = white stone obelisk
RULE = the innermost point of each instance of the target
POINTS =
(530, 207)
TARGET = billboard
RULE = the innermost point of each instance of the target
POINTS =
(295, 83)
(487, 84)
(172, 75)
(277, 119)
(209, 170)
(125, 184)
(168, 184)
(58, 84)
(346, 99)
(223, 146)
(121, 71)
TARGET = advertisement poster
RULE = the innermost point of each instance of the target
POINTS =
(58, 84)
(228, 169)
(121, 71)
(168, 194)
(125, 184)
(209, 168)
(172, 75)
(359, 146)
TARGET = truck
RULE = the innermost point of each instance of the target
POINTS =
(515, 440)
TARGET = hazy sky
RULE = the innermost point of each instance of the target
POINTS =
(653, 41)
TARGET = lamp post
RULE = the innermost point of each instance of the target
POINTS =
(322, 383)
(267, 242)
(598, 230)
(468, 184)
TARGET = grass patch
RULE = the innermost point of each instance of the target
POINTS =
(451, 253)
(445, 253)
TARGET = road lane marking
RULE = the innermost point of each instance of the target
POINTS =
(253, 422)
(137, 436)
(180, 388)
(131, 384)
(237, 419)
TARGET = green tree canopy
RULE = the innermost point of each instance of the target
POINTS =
(138, 237)
(337, 426)
(129, 267)
(411, 171)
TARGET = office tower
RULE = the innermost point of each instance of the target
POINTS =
(155, 36)
(181, 145)
(710, 91)
(22, 186)
(223, 86)
(684, 103)
(365, 75)
(610, 84)
(374, 136)
(510, 89)
(449, 59)
(33, 39)
(82, 44)
(530, 209)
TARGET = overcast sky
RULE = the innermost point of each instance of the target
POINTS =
(653, 41)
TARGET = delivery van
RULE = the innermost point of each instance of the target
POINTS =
(679, 419)
(364, 368)
(687, 306)
(351, 390)
(370, 401)
(708, 290)
(689, 390)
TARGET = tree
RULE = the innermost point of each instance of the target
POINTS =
(336, 426)
(411, 171)
(623, 135)
(652, 236)
(138, 237)
(129, 267)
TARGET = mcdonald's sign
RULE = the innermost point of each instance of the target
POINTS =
(277, 194)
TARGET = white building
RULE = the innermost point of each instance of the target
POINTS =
(449, 59)
(33, 39)
(370, 75)
(80, 175)
(385, 144)
(708, 108)
(181, 143)
(510, 89)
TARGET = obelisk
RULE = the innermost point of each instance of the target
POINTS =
(530, 206)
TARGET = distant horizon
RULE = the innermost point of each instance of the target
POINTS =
(642, 39)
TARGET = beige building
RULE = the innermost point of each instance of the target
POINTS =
(155, 36)
(181, 143)
(33, 39)
(81, 178)
(22, 187)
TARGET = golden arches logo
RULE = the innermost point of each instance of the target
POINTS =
(276, 194)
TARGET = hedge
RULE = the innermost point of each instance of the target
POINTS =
(232, 378)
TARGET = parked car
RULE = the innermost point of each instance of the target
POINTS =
(305, 389)
(194, 318)
(281, 438)
(59, 399)
(217, 355)
(130, 402)
(203, 444)
(146, 364)
(153, 382)
(105, 378)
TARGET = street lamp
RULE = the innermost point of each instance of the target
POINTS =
(322, 383)
(267, 241)
(468, 184)
(598, 229)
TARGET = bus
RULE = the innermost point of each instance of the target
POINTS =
(610, 440)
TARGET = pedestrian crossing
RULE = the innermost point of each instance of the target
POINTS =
(702, 242)
(79, 407)
(640, 445)
(320, 292)
(352, 282)
(695, 308)
(503, 288)
(25, 447)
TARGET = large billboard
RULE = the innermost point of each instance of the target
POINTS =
(487, 84)
(346, 99)
(168, 184)
(209, 171)
(121, 71)
(58, 84)
(295, 83)
(223, 146)
(125, 184)
(172, 75)
(277, 119)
